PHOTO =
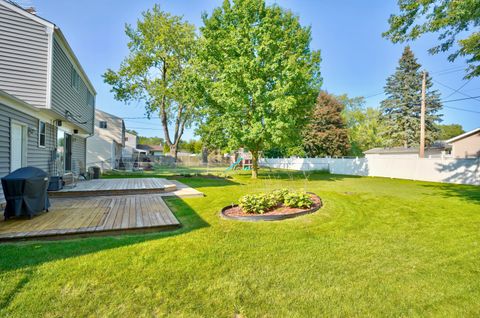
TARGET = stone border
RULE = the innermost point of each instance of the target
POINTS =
(266, 217)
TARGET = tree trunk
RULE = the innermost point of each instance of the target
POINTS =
(204, 155)
(174, 151)
(254, 164)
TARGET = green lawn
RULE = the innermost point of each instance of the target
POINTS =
(378, 247)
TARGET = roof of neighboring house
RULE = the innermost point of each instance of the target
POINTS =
(400, 150)
(17, 8)
(143, 147)
(156, 148)
(464, 135)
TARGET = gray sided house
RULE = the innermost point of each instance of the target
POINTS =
(47, 103)
(105, 147)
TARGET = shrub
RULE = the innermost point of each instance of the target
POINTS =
(298, 200)
(257, 203)
(279, 194)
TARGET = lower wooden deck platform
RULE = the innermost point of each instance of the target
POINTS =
(99, 215)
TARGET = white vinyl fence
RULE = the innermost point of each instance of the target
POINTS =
(463, 171)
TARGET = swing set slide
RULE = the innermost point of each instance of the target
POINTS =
(235, 164)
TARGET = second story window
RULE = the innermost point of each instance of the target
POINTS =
(103, 124)
(74, 79)
(41, 133)
(90, 99)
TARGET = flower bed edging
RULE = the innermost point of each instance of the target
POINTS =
(266, 216)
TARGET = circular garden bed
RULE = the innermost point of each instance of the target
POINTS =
(281, 212)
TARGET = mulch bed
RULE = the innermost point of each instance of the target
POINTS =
(235, 212)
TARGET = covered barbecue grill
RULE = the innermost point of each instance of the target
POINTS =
(25, 191)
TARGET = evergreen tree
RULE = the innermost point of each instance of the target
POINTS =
(401, 109)
(326, 134)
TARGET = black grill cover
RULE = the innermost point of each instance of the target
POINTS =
(25, 191)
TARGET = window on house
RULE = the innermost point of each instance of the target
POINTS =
(126, 138)
(74, 78)
(90, 99)
(42, 128)
(103, 124)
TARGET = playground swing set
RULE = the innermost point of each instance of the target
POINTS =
(243, 162)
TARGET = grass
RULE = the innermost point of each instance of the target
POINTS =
(168, 171)
(378, 247)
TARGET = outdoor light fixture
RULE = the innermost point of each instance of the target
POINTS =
(31, 131)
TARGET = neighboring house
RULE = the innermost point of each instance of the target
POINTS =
(104, 148)
(152, 150)
(130, 145)
(156, 150)
(131, 150)
(47, 102)
(409, 152)
(466, 145)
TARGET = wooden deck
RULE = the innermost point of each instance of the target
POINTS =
(93, 216)
(126, 186)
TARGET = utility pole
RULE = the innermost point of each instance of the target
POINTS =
(422, 116)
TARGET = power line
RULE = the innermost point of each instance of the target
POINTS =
(145, 128)
(463, 109)
(381, 93)
(449, 71)
(457, 90)
(460, 99)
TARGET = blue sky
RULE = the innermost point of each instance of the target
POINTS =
(355, 58)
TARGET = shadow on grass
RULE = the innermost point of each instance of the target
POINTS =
(192, 181)
(14, 256)
(302, 175)
(468, 193)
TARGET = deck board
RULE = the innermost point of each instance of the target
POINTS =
(70, 216)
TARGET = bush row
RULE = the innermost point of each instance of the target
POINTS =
(264, 202)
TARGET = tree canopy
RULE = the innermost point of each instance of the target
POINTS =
(158, 71)
(326, 134)
(365, 128)
(401, 108)
(449, 19)
(450, 131)
(260, 75)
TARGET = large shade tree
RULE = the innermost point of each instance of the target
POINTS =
(261, 76)
(401, 108)
(447, 18)
(159, 71)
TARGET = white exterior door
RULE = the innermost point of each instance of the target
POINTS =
(17, 147)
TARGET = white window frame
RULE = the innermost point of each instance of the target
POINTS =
(90, 95)
(74, 78)
(40, 133)
(100, 122)
(24, 142)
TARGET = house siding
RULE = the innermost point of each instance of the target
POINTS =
(79, 146)
(36, 156)
(64, 96)
(468, 147)
(23, 57)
